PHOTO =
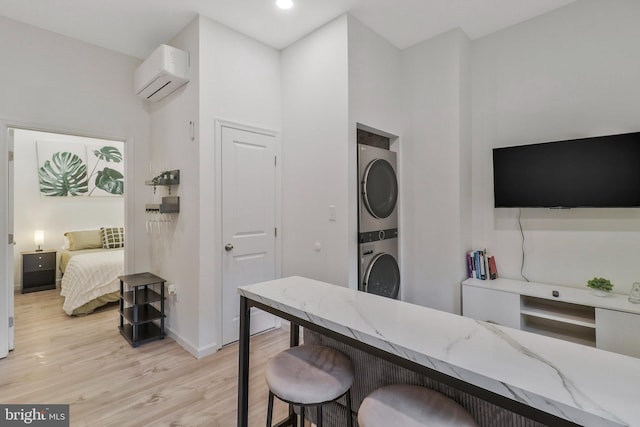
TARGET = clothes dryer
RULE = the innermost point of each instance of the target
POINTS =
(379, 270)
(378, 187)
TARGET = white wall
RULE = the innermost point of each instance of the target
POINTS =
(435, 153)
(235, 78)
(56, 83)
(315, 151)
(421, 95)
(54, 215)
(175, 253)
(374, 101)
(568, 74)
(374, 80)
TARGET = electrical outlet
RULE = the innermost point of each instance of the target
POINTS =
(171, 290)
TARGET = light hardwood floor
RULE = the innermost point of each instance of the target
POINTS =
(85, 362)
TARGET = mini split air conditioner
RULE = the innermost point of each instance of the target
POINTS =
(166, 69)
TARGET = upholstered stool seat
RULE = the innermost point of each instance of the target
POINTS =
(309, 375)
(411, 406)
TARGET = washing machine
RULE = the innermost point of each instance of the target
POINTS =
(379, 271)
(378, 187)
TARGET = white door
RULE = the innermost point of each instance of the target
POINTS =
(10, 213)
(248, 222)
(6, 246)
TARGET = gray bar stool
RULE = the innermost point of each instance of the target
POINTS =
(309, 375)
(411, 406)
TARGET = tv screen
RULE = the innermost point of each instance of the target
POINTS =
(590, 172)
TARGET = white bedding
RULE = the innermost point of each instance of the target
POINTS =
(89, 276)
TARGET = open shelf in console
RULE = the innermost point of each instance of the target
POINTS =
(559, 311)
(568, 321)
(563, 331)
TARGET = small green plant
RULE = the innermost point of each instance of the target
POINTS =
(600, 284)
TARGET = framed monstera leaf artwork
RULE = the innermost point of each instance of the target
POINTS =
(69, 169)
(106, 169)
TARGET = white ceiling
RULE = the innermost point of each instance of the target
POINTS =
(136, 27)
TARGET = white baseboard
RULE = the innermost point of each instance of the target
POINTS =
(18, 286)
(207, 350)
(198, 353)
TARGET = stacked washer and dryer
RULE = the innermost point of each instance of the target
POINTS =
(378, 222)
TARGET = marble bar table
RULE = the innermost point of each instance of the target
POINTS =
(548, 380)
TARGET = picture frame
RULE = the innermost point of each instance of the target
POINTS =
(87, 169)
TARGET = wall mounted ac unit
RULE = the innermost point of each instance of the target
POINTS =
(166, 69)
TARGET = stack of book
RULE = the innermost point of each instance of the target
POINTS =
(480, 265)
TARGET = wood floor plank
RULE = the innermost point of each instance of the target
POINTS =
(85, 362)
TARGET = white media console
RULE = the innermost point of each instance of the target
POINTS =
(609, 323)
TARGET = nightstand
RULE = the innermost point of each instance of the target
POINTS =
(38, 270)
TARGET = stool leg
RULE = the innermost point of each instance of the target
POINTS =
(301, 416)
(270, 409)
(319, 416)
(349, 413)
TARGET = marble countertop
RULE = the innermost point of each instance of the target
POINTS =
(582, 384)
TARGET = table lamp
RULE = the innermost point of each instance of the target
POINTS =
(38, 238)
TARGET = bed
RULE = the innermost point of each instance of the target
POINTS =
(90, 272)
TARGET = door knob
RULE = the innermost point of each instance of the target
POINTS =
(228, 247)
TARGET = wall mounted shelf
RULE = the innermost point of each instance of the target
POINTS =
(169, 204)
(166, 178)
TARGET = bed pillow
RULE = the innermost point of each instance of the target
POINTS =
(112, 237)
(86, 239)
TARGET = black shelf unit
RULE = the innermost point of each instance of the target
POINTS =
(141, 320)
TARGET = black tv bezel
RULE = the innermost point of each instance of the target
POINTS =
(561, 206)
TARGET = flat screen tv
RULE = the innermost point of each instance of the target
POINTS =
(589, 172)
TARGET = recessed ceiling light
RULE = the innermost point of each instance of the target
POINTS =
(284, 4)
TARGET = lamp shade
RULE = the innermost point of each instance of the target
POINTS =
(38, 237)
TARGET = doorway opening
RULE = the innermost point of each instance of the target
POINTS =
(66, 191)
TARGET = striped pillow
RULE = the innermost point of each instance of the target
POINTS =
(112, 237)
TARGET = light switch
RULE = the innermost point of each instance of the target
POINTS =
(332, 213)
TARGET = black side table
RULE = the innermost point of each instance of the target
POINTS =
(142, 308)
(38, 270)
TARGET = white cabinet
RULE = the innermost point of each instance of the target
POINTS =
(618, 331)
(573, 314)
(502, 308)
